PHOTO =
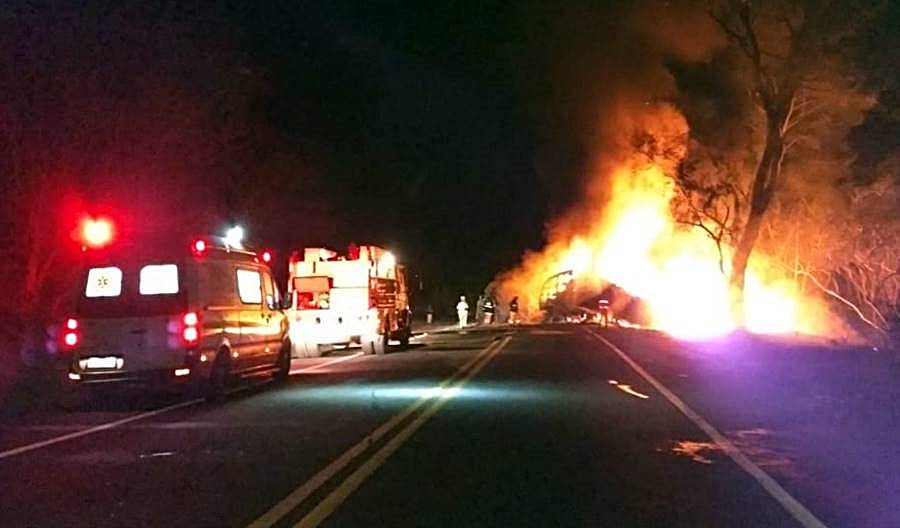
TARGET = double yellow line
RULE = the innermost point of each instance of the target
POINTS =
(432, 402)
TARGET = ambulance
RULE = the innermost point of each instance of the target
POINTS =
(204, 312)
(360, 297)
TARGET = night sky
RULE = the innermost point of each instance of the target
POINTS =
(418, 127)
(443, 130)
(450, 132)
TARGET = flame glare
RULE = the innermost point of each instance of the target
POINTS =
(635, 243)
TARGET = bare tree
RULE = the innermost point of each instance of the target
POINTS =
(786, 55)
(856, 262)
(711, 196)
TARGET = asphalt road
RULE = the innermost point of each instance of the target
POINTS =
(530, 426)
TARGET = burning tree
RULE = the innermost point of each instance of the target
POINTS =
(846, 245)
(752, 123)
(801, 98)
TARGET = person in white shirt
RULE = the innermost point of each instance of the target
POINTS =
(462, 310)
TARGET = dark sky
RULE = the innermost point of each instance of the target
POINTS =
(425, 127)
(418, 120)
(451, 132)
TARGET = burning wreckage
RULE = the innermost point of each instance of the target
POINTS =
(566, 298)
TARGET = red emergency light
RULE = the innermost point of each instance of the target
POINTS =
(95, 233)
(198, 247)
(266, 256)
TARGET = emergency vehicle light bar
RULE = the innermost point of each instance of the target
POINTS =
(201, 246)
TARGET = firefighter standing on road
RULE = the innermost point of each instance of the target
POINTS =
(488, 310)
(603, 309)
(462, 310)
(514, 311)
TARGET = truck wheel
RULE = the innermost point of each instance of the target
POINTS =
(381, 344)
(376, 344)
(309, 350)
(405, 336)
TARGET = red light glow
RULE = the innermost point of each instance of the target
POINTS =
(72, 324)
(266, 256)
(198, 247)
(96, 232)
(191, 335)
(70, 339)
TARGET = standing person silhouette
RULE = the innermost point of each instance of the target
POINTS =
(462, 310)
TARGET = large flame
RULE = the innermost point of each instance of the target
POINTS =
(636, 244)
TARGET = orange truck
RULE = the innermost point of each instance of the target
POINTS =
(338, 300)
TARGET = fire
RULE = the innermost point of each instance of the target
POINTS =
(636, 244)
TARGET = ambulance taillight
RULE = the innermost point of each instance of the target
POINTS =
(191, 332)
(71, 337)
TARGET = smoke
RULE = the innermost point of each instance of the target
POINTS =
(632, 91)
(615, 91)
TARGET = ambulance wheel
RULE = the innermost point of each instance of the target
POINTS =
(73, 399)
(283, 367)
(219, 376)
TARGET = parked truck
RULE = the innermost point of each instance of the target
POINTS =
(338, 300)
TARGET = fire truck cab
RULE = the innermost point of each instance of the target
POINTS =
(360, 297)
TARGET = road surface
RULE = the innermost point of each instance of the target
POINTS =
(529, 426)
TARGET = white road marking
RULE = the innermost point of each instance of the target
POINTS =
(326, 363)
(797, 510)
(95, 429)
(628, 390)
(111, 425)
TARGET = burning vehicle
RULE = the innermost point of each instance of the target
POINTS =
(567, 298)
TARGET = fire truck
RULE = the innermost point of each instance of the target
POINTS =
(338, 300)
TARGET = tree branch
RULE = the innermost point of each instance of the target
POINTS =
(831, 292)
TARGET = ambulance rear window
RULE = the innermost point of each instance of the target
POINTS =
(103, 282)
(133, 289)
(159, 279)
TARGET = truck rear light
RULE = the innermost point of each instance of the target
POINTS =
(190, 333)
(72, 324)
